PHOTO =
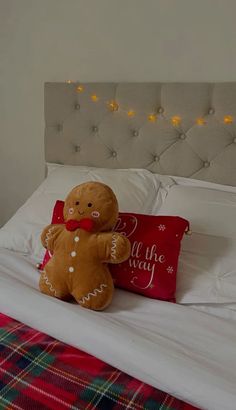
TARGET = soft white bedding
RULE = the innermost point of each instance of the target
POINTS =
(136, 191)
(172, 347)
(207, 265)
(188, 351)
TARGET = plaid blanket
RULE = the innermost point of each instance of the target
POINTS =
(39, 372)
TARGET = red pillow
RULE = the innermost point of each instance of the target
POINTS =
(57, 218)
(152, 267)
(155, 241)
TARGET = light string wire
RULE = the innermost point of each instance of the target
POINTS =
(114, 106)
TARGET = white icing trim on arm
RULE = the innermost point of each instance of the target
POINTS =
(113, 247)
(49, 235)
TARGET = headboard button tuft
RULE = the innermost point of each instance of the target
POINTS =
(160, 110)
(206, 164)
(77, 106)
(211, 111)
(156, 158)
(135, 133)
(182, 136)
(114, 154)
(95, 128)
(234, 140)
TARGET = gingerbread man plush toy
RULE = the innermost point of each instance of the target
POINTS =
(83, 246)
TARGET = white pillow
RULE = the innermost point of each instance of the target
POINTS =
(135, 190)
(207, 264)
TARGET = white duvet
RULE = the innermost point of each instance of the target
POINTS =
(175, 348)
(187, 350)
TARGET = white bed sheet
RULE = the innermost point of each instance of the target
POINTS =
(172, 347)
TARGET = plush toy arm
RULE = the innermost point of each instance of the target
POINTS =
(113, 247)
(49, 235)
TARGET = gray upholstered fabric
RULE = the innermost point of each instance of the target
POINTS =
(82, 132)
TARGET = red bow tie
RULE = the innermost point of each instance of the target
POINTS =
(86, 224)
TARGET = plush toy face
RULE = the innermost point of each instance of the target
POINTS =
(95, 201)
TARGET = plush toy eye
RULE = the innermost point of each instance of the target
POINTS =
(77, 203)
(89, 204)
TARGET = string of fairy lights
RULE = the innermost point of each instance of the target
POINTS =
(114, 106)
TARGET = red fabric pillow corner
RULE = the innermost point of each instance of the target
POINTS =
(57, 218)
(155, 246)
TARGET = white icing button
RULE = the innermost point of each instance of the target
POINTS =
(71, 269)
(73, 254)
(76, 239)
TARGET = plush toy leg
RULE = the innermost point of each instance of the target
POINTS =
(95, 298)
(46, 286)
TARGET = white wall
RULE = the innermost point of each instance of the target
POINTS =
(96, 40)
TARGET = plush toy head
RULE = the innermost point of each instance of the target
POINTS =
(83, 246)
(95, 201)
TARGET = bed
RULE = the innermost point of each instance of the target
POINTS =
(165, 149)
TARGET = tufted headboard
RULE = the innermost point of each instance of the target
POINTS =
(184, 129)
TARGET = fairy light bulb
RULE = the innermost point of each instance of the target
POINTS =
(200, 121)
(113, 105)
(131, 113)
(176, 120)
(79, 89)
(228, 119)
(94, 98)
(152, 117)
(69, 81)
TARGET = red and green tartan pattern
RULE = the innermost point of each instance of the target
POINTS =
(39, 372)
